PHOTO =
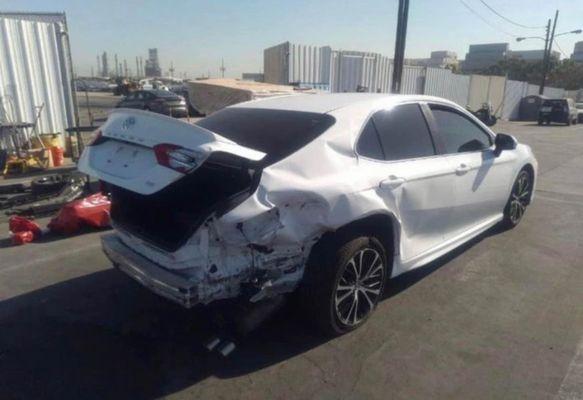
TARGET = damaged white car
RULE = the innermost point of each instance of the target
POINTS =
(327, 195)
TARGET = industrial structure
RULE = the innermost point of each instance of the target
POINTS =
(104, 65)
(152, 68)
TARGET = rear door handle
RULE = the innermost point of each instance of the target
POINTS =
(392, 182)
(462, 169)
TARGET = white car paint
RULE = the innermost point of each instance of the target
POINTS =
(435, 203)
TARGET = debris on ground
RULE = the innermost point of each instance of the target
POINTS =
(43, 196)
(23, 230)
(92, 211)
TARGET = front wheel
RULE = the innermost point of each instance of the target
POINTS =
(341, 288)
(519, 199)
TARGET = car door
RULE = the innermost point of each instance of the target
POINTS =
(413, 179)
(482, 178)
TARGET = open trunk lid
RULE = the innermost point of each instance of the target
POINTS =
(133, 147)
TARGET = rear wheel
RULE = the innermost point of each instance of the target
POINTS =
(519, 199)
(342, 289)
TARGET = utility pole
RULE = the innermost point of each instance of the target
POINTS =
(400, 46)
(137, 67)
(547, 55)
(171, 70)
(222, 68)
(125, 68)
(98, 66)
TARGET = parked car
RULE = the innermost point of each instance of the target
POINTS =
(158, 101)
(557, 110)
(324, 195)
(579, 107)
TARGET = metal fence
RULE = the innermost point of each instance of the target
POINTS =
(351, 71)
(443, 83)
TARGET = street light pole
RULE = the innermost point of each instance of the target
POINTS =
(399, 58)
(549, 46)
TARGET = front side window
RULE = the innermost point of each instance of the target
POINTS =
(403, 133)
(459, 134)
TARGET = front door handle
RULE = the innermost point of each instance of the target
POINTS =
(392, 182)
(462, 169)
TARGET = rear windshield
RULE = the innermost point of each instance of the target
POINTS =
(555, 102)
(163, 93)
(278, 133)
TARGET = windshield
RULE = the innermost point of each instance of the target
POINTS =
(278, 133)
(555, 103)
(163, 93)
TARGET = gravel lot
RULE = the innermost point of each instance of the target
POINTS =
(501, 318)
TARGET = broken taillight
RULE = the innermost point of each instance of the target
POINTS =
(176, 157)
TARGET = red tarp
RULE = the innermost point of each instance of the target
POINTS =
(92, 211)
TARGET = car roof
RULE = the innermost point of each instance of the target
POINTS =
(324, 103)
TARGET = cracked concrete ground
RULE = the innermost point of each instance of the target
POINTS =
(500, 318)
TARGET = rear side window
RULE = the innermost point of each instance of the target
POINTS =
(369, 144)
(459, 133)
(278, 133)
(403, 133)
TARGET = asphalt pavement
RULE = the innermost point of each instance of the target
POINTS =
(500, 318)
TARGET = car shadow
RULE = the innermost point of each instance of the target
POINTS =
(552, 125)
(103, 336)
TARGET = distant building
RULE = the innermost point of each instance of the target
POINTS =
(532, 55)
(577, 55)
(152, 67)
(438, 59)
(482, 56)
(104, 65)
(253, 76)
(417, 62)
(443, 59)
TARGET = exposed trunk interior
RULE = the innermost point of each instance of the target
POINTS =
(169, 217)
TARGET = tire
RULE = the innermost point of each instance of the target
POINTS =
(540, 121)
(519, 199)
(48, 184)
(328, 294)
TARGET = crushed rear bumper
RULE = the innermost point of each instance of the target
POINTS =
(159, 280)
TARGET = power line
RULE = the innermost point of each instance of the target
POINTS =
(485, 20)
(559, 47)
(508, 19)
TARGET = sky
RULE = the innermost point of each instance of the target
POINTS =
(196, 35)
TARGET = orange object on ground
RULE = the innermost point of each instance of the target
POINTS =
(58, 155)
(23, 230)
(92, 211)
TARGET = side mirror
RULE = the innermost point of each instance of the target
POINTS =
(504, 142)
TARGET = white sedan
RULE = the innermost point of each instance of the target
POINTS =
(324, 195)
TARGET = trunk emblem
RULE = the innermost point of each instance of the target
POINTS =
(128, 123)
